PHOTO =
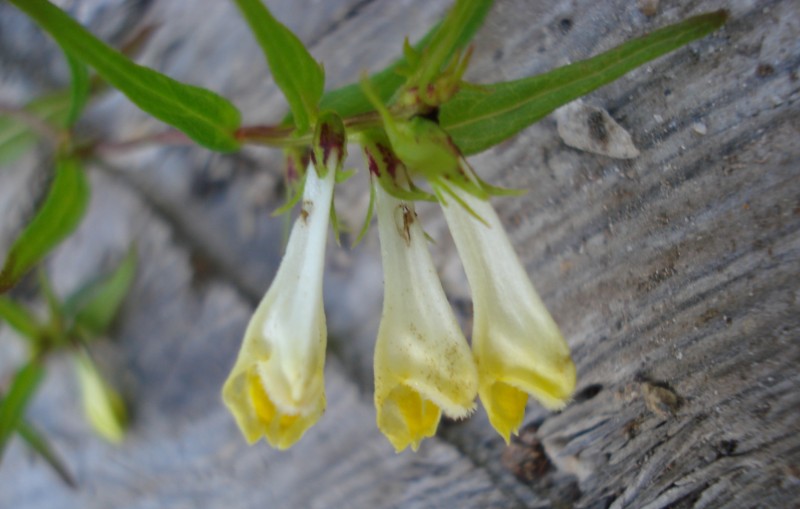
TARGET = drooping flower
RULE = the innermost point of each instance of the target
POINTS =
(423, 365)
(276, 387)
(518, 347)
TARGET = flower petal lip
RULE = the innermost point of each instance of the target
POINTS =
(423, 365)
(276, 387)
(518, 347)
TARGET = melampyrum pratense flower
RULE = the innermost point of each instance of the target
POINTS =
(518, 347)
(276, 387)
(423, 365)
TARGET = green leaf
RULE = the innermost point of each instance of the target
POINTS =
(79, 89)
(299, 76)
(60, 213)
(477, 120)
(349, 101)
(95, 305)
(457, 28)
(19, 318)
(17, 137)
(16, 399)
(42, 447)
(204, 116)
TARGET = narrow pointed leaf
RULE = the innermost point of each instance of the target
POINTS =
(60, 213)
(17, 137)
(204, 116)
(295, 71)
(79, 88)
(477, 120)
(13, 405)
(95, 305)
(18, 318)
(42, 447)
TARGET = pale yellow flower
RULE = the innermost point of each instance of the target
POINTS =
(518, 348)
(423, 365)
(276, 388)
(103, 407)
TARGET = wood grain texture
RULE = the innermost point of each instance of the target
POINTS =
(673, 275)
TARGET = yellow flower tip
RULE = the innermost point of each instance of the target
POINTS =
(405, 417)
(423, 364)
(276, 387)
(259, 416)
(505, 406)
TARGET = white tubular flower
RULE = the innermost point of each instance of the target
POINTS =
(423, 365)
(518, 347)
(276, 388)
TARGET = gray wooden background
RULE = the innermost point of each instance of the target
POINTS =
(674, 275)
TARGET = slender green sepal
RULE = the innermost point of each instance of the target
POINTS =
(368, 215)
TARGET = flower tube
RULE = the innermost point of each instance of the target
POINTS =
(276, 387)
(518, 348)
(423, 365)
